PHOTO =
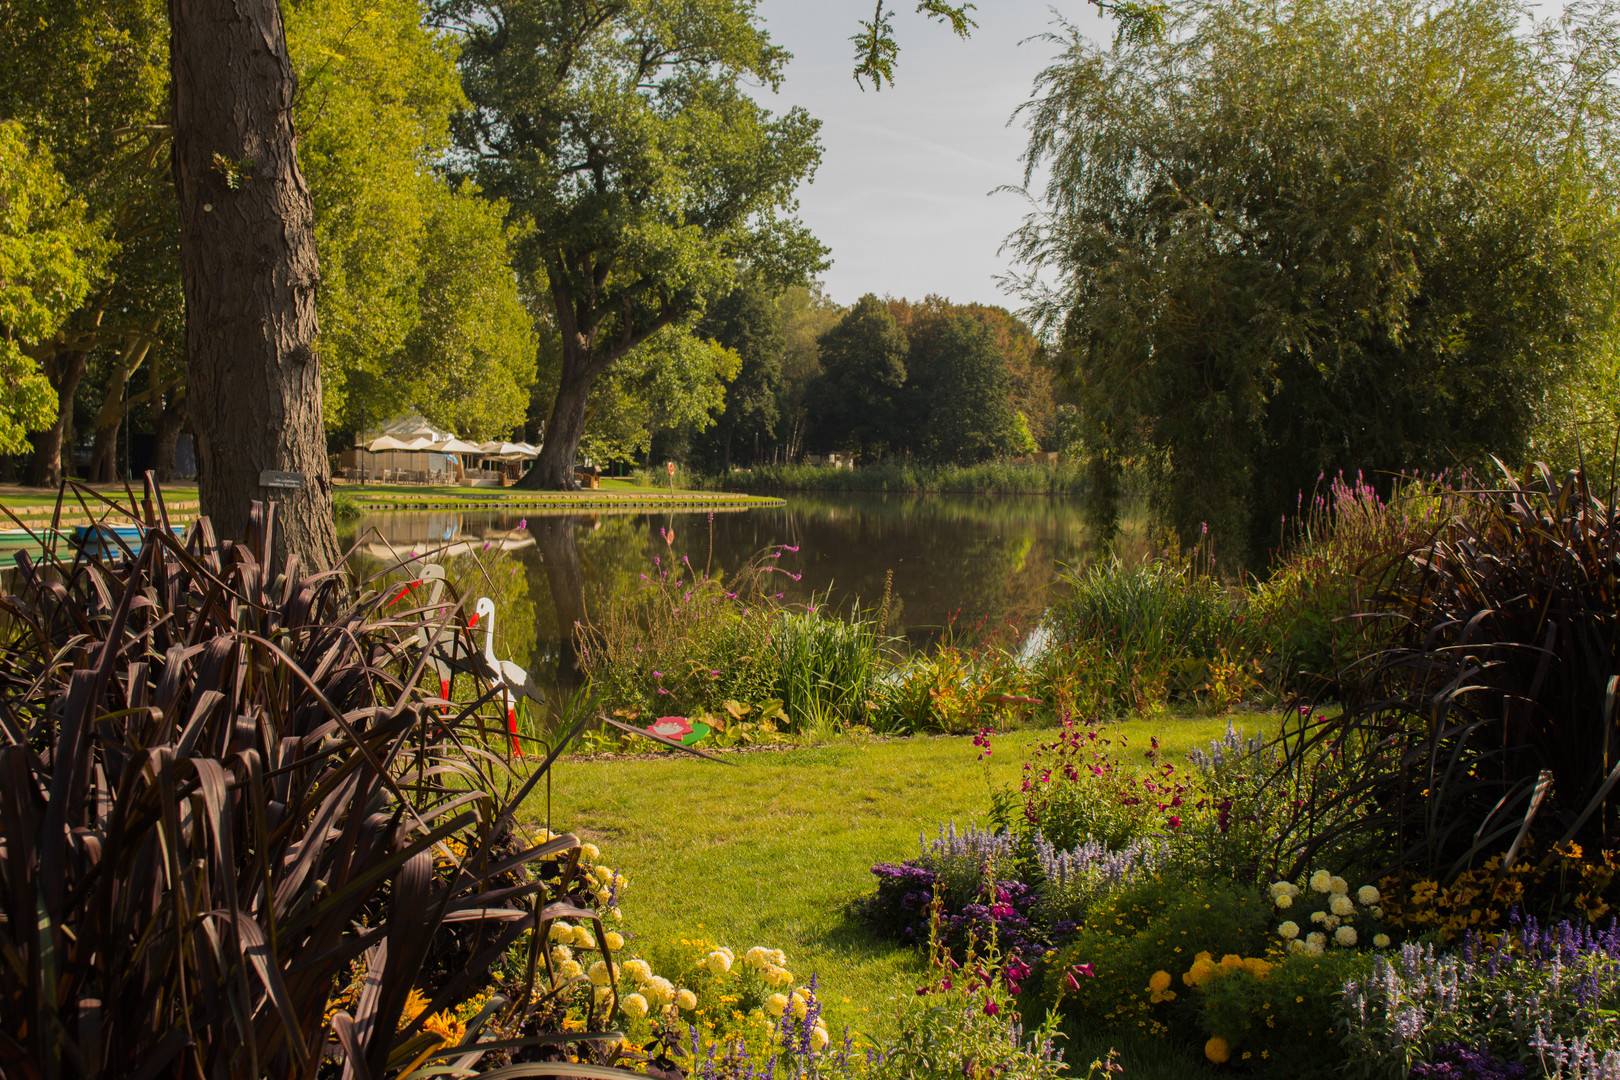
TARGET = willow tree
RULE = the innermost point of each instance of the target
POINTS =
(1288, 239)
(639, 172)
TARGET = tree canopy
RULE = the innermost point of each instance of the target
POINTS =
(642, 174)
(1292, 238)
(51, 254)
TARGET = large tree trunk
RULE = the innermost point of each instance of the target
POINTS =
(64, 369)
(247, 264)
(554, 469)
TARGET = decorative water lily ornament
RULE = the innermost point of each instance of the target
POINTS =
(671, 727)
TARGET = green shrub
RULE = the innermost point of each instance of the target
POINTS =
(1006, 478)
(1287, 1021)
(685, 643)
(1159, 925)
(1165, 630)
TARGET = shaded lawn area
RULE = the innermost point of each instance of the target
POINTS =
(771, 850)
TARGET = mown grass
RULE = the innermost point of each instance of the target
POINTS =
(771, 850)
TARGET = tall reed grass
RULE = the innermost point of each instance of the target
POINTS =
(999, 478)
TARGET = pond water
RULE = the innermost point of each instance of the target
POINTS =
(960, 564)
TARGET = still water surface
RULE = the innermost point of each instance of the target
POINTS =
(962, 562)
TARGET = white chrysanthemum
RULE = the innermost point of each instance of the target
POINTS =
(1367, 895)
(1376, 912)
(1297, 945)
(777, 976)
(616, 913)
(639, 970)
(1380, 941)
(819, 1038)
(1314, 948)
(570, 969)
(686, 1001)
(1321, 881)
(1284, 901)
(1316, 937)
(1345, 935)
(801, 1008)
(1338, 886)
(633, 1005)
(602, 874)
(1318, 916)
(1342, 905)
(590, 852)
(560, 953)
(775, 1004)
(718, 962)
(777, 957)
(659, 990)
(757, 957)
(1288, 930)
(601, 993)
(1284, 888)
(599, 974)
(1331, 922)
(585, 937)
(562, 931)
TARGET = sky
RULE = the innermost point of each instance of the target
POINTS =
(903, 194)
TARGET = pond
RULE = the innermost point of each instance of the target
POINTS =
(959, 564)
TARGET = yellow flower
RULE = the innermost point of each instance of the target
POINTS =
(818, 1038)
(1160, 982)
(639, 970)
(686, 1001)
(634, 1005)
(775, 1004)
(615, 940)
(1218, 1051)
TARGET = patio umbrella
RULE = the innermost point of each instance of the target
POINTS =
(455, 446)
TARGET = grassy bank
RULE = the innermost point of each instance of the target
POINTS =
(357, 498)
(993, 478)
(771, 849)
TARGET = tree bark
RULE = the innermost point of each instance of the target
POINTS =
(64, 369)
(110, 417)
(166, 427)
(248, 268)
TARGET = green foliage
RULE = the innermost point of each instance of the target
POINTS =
(1337, 234)
(1158, 925)
(1288, 1021)
(748, 322)
(51, 253)
(673, 379)
(856, 401)
(419, 307)
(1161, 630)
(1484, 719)
(645, 176)
(468, 362)
(693, 644)
(956, 389)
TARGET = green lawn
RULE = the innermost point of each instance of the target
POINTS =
(611, 491)
(770, 851)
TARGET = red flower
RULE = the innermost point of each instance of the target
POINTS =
(1175, 823)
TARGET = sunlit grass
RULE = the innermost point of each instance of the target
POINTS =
(770, 850)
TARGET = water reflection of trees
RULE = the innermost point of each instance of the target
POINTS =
(979, 561)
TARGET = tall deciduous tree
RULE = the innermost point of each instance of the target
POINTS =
(855, 402)
(1295, 238)
(247, 261)
(643, 173)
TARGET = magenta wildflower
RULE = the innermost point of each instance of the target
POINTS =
(523, 523)
(991, 1008)
(790, 547)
